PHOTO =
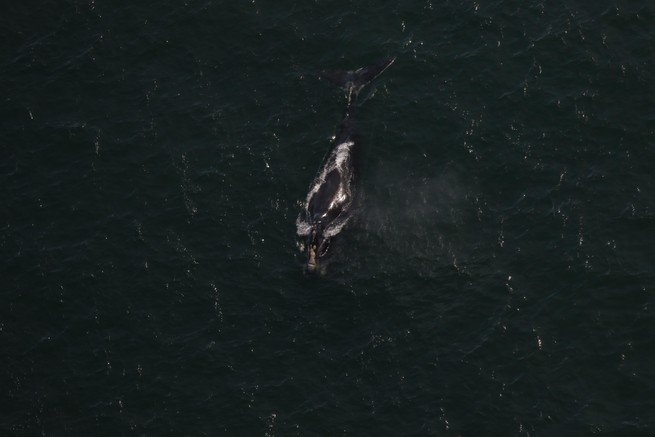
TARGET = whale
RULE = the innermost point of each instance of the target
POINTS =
(330, 200)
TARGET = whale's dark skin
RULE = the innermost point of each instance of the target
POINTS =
(329, 203)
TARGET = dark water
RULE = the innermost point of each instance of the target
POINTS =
(498, 280)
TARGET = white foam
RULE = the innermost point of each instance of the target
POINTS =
(338, 159)
(303, 228)
(339, 156)
(342, 153)
(335, 228)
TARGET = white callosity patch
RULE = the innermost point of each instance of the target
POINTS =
(339, 159)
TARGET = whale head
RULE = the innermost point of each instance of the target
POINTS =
(317, 249)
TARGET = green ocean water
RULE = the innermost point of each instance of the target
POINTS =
(498, 277)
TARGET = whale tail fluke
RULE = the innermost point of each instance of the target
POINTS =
(354, 80)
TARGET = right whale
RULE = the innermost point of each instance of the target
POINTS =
(329, 201)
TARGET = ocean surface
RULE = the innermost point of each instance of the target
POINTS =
(499, 275)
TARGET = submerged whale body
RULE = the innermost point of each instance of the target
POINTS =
(329, 202)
